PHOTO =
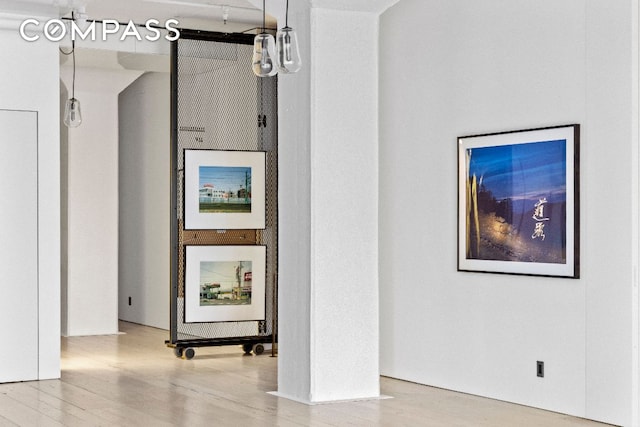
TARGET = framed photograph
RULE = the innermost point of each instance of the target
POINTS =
(518, 202)
(224, 189)
(224, 283)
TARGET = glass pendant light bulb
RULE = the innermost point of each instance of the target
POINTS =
(72, 113)
(264, 52)
(288, 51)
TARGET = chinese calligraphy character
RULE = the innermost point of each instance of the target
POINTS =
(538, 213)
(539, 217)
(539, 231)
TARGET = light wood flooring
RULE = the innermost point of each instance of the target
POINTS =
(132, 379)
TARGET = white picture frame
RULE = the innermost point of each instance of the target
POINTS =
(214, 289)
(224, 189)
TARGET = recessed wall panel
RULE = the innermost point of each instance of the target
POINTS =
(19, 245)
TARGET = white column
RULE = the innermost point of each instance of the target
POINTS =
(328, 166)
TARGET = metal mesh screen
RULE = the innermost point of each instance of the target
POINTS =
(219, 104)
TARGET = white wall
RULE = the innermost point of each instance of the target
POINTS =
(453, 68)
(91, 290)
(64, 214)
(29, 81)
(144, 201)
(90, 178)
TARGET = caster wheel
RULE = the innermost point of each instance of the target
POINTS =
(258, 349)
(189, 353)
(178, 351)
(247, 348)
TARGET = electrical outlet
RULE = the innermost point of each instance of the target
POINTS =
(540, 369)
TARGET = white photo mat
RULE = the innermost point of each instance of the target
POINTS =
(194, 312)
(194, 161)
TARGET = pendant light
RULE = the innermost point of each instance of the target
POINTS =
(264, 51)
(287, 47)
(72, 113)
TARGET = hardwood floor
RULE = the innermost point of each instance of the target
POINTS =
(132, 379)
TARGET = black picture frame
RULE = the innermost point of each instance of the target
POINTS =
(518, 202)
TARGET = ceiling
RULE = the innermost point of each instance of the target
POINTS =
(204, 15)
(193, 14)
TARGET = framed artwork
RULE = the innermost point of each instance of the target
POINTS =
(224, 283)
(224, 189)
(518, 202)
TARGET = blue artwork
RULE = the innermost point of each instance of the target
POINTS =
(516, 206)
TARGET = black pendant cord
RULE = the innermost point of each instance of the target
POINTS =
(260, 80)
(286, 16)
(73, 57)
(73, 80)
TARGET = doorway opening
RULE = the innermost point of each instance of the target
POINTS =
(114, 208)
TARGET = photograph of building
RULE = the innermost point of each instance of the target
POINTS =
(225, 282)
(225, 189)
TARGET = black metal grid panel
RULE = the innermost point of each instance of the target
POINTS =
(219, 104)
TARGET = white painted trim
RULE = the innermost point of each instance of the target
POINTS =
(329, 402)
(11, 21)
(635, 214)
(373, 6)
